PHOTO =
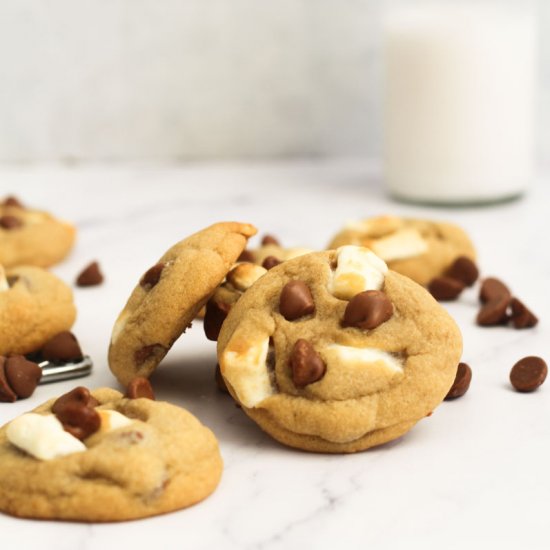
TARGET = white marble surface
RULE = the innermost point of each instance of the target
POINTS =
(474, 473)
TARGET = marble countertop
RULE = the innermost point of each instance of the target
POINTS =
(475, 472)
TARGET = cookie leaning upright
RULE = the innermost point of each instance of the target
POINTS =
(169, 296)
(331, 352)
(32, 237)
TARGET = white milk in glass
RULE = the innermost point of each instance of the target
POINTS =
(459, 100)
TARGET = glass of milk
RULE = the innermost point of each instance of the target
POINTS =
(459, 100)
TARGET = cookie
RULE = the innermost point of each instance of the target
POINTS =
(32, 237)
(137, 458)
(169, 296)
(332, 352)
(34, 306)
(419, 249)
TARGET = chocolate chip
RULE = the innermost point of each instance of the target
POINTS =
(246, 256)
(445, 289)
(494, 312)
(220, 382)
(270, 239)
(367, 310)
(492, 288)
(10, 222)
(270, 261)
(462, 382)
(7, 395)
(463, 269)
(152, 276)
(140, 387)
(213, 319)
(12, 279)
(521, 316)
(90, 276)
(22, 375)
(296, 301)
(13, 201)
(146, 352)
(79, 420)
(79, 395)
(528, 373)
(306, 365)
(62, 347)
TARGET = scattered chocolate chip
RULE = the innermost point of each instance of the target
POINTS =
(13, 201)
(213, 319)
(463, 269)
(270, 239)
(12, 279)
(492, 288)
(462, 382)
(306, 365)
(220, 382)
(22, 375)
(7, 395)
(79, 420)
(79, 395)
(296, 301)
(270, 261)
(494, 312)
(10, 222)
(62, 347)
(445, 289)
(152, 276)
(140, 387)
(146, 352)
(90, 276)
(246, 256)
(367, 310)
(522, 316)
(528, 373)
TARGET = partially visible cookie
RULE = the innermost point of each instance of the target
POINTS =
(331, 352)
(32, 237)
(169, 296)
(419, 249)
(34, 306)
(102, 457)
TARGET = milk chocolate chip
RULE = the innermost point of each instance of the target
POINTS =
(22, 375)
(521, 316)
(463, 269)
(270, 239)
(79, 395)
(90, 276)
(367, 310)
(213, 318)
(79, 420)
(270, 261)
(246, 256)
(152, 276)
(140, 387)
(62, 347)
(296, 301)
(306, 365)
(462, 382)
(528, 374)
(13, 201)
(444, 289)
(10, 222)
(493, 288)
(7, 395)
(494, 312)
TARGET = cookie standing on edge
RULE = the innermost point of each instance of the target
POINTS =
(331, 352)
(419, 249)
(169, 296)
(32, 237)
(146, 458)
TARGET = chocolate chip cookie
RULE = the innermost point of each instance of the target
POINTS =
(102, 457)
(34, 306)
(419, 249)
(332, 352)
(169, 296)
(32, 237)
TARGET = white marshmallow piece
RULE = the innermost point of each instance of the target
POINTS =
(358, 269)
(244, 275)
(42, 436)
(245, 368)
(112, 420)
(362, 358)
(406, 243)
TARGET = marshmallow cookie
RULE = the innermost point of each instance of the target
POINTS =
(102, 457)
(32, 237)
(419, 249)
(331, 352)
(169, 296)
(34, 306)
